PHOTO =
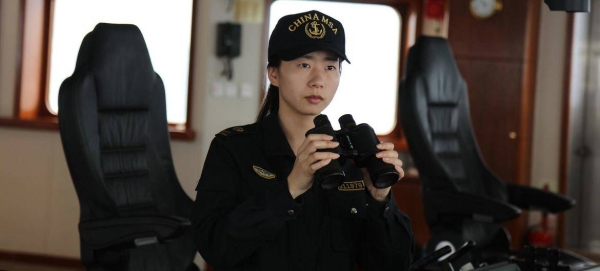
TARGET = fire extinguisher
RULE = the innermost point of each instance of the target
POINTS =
(434, 18)
(434, 9)
(539, 235)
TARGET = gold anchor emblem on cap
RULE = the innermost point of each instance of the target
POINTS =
(316, 30)
(263, 173)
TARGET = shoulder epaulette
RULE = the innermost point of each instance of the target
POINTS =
(237, 130)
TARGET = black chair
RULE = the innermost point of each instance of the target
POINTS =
(115, 136)
(463, 200)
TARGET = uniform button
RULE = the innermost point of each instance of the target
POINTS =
(353, 210)
(387, 209)
(290, 212)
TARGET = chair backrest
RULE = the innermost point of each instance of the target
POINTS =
(436, 121)
(113, 126)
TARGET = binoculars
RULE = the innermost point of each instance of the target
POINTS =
(357, 142)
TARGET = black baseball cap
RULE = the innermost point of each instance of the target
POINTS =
(296, 35)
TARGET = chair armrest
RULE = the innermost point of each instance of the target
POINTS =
(469, 205)
(536, 199)
(132, 231)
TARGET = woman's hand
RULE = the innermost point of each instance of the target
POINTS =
(308, 161)
(390, 156)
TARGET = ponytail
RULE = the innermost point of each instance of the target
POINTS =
(271, 102)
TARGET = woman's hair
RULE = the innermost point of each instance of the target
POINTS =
(271, 102)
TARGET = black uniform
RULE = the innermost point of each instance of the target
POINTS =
(244, 217)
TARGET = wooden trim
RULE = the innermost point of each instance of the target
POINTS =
(523, 167)
(184, 134)
(43, 106)
(40, 259)
(528, 91)
(32, 58)
(563, 165)
(189, 132)
(19, 64)
(51, 123)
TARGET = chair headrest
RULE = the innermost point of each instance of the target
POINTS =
(432, 59)
(117, 56)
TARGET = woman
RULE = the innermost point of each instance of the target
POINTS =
(257, 206)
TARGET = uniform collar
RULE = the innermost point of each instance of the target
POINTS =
(275, 141)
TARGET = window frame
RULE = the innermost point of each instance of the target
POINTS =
(410, 16)
(30, 109)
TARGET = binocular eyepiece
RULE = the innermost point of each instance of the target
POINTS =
(357, 142)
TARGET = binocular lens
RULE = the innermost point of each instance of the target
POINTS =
(330, 178)
(386, 179)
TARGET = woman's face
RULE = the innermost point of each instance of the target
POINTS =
(306, 84)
